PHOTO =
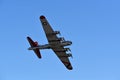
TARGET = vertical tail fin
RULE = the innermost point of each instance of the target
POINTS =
(34, 44)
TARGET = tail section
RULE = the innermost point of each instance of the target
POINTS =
(34, 44)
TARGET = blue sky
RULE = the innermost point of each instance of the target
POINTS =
(92, 25)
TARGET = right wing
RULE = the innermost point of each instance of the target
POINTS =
(32, 43)
(63, 57)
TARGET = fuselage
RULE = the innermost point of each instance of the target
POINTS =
(49, 46)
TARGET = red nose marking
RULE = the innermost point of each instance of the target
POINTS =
(42, 17)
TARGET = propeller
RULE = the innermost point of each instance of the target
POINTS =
(62, 39)
(69, 55)
(68, 49)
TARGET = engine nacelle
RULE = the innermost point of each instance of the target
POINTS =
(69, 55)
(56, 32)
(67, 49)
(58, 39)
(61, 39)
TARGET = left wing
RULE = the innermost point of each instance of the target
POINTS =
(55, 41)
(63, 57)
(51, 37)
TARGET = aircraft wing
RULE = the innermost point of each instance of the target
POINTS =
(63, 57)
(54, 40)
